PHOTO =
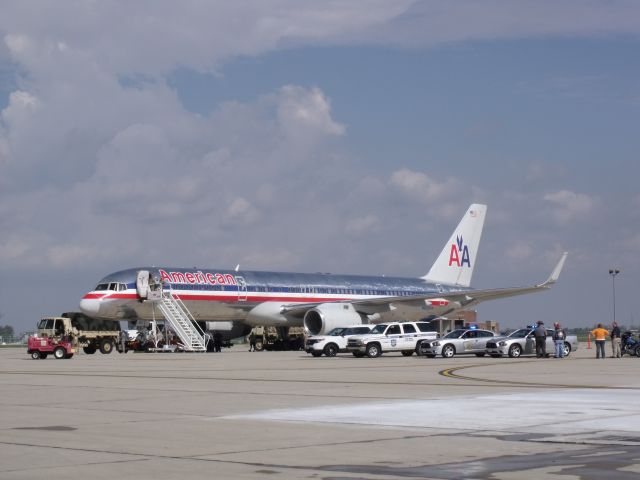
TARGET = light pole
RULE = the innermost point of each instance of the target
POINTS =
(613, 272)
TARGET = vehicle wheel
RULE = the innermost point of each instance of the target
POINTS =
(638, 351)
(448, 351)
(331, 350)
(35, 355)
(496, 355)
(373, 350)
(479, 354)
(316, 354)
(417, 349)
(567, 349)
(515, 351)
(358, 354)
(59, 353)
(407, 353)
(259, 346)
(106, 347)
(90, 350)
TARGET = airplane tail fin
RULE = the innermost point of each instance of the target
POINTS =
(458, 258)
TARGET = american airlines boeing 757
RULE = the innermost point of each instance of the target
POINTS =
(232, 301)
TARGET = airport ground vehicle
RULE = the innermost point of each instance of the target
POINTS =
(83, 331)
(456, 342)
(41, 347)
(391, 337)
(278, 338)
(335, 341)
(522, 342)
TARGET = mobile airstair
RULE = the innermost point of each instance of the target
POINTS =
(182, 322)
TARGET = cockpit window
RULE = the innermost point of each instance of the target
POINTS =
(116, 287)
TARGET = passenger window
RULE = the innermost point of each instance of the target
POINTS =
(394, 330)
(426, 327)
(408, 328)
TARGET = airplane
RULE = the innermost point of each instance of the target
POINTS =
(233, 301)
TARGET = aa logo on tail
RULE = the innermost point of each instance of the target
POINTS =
(459, 253)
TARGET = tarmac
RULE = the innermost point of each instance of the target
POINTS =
(287, 415)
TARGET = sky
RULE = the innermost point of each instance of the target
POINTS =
(336, 136)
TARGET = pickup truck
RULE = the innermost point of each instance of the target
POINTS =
(391, 337)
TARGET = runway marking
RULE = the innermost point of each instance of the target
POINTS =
(451, 373)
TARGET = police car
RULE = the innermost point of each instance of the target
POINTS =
(457, 342)
(333, 342)
(391, 337)
(523, 342)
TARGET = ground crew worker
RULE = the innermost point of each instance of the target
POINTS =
(600, 334)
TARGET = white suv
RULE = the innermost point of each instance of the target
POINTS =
(392, 337)
(333, 342)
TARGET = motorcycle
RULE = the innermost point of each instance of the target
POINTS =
(630, 345)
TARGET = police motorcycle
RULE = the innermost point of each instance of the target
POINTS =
(630, 345)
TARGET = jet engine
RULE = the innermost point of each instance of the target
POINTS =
(327, 316)
(228, 330)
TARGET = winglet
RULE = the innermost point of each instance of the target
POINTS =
(556, 272)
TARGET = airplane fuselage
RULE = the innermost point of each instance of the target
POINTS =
(254, 297)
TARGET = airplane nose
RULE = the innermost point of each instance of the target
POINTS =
(90, 306)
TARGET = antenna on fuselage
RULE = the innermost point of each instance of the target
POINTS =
(237, 267)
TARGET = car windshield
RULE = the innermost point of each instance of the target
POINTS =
(336, 331)
(523, 332)
(356, 331)
(379, 328)
(454, 334)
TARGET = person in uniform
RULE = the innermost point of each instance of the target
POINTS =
(540, 334)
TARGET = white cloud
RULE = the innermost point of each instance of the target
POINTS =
(519, 251)
(422, 188)
(301, 110)
(570, 206)
(364, 225)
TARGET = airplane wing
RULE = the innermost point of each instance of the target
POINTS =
(461, 298)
